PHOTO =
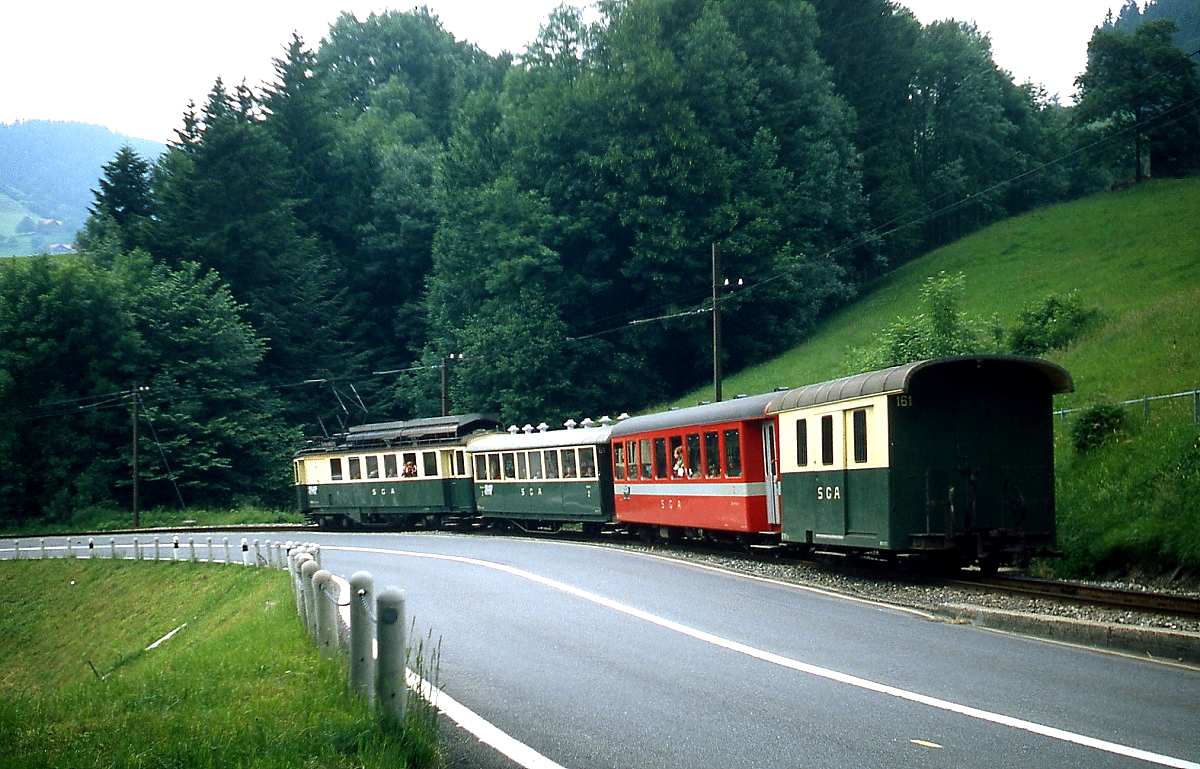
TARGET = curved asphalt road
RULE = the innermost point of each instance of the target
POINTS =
(597, 657)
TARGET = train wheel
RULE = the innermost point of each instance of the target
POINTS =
(989, 565)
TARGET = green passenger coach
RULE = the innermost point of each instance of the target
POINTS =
(951, 458)
(539, 480)
(390, 473)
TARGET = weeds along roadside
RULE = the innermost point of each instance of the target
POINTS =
(238, 684)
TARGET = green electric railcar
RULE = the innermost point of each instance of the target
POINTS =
(390, 474)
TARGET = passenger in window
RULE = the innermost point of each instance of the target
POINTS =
(681, 470)
(410, 469)
(714, 470)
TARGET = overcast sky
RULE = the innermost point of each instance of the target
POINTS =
(133, 65)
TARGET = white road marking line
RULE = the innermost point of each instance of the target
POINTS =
(484, 730)
(803, 667)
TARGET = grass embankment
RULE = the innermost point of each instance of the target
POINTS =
(100, 519)
(240, 685)
(1133, 505)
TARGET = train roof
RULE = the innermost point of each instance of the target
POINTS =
(749, 407)
(901, 379)
(898, 379)
(580, 436)
(412, 432)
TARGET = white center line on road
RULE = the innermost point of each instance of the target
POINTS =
(802, 667)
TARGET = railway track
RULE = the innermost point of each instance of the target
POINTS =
(1092, 595)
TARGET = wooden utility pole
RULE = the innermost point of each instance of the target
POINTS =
(716, 322)
(134, 421)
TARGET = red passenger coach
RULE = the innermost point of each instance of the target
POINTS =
(708, 470)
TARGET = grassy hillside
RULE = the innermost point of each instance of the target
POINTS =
(1133, 254)
(1132, 505)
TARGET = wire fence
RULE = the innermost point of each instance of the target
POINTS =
(1145, 402)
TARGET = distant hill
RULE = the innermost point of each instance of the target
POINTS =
(47, 173)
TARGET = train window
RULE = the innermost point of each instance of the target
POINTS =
(827, 440)
(480, 467)
(372, 467)
(569, 467)
(859, 419)
(733, 454)
(391, 468)
(535, 465)
(355, 469)
(646, 458)
(551, 464)
(522, 465)
(409, 465)
(431, 463)
(619, 461)
(661, 467)
(587, 462)
(693, 455)
(493, 467)
(460, 460)
(802, 442)
(510, 465)
(335, 469)
(712, 455)
(678, 463)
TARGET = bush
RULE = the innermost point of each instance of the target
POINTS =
(1052, 325)
(1095, 426)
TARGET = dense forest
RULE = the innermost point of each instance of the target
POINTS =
(399, 212)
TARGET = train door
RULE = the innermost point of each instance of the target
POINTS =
(831, 484)
(771, 465)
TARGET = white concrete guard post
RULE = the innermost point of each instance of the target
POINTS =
(112, 548)
(307, 570)
(257, 554)
(192, 549)
(228, 560)
(245, 552)
(362, 635)
(70, 552)
(174, 548)
(325, 599)
(137, 551)
(298, 580)
(210, 558)
(91, 547)
(391, 690)
(156, 549)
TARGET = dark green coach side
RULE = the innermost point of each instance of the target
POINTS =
(949, 458)
(539, 480)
